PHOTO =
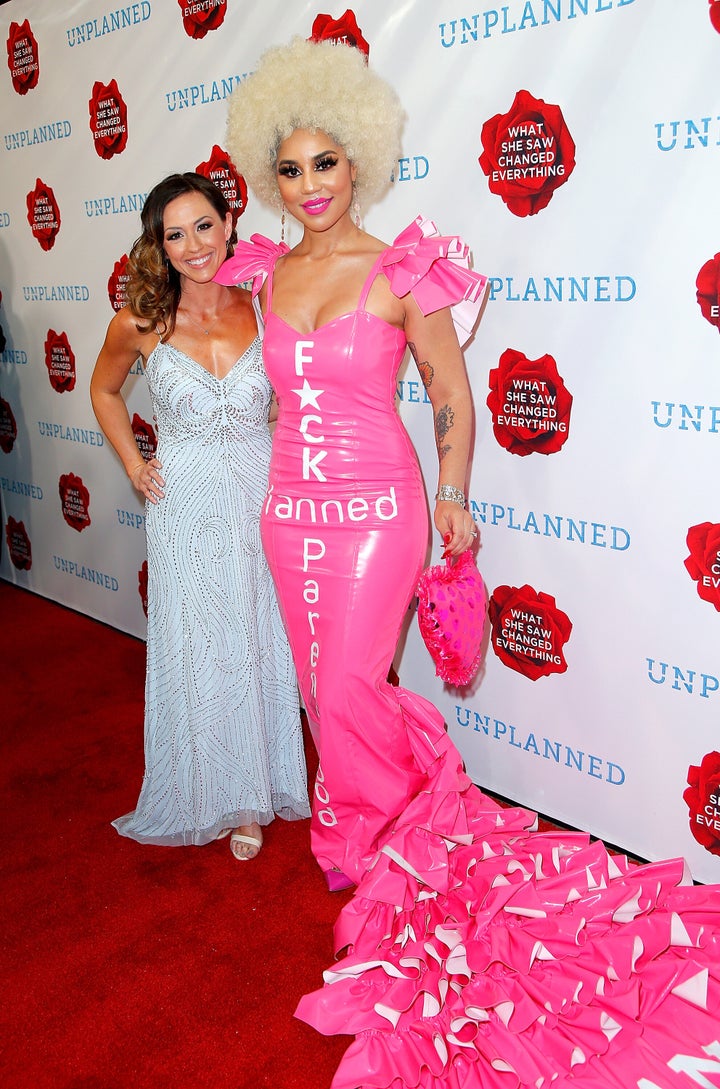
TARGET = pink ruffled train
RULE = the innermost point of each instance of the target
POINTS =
(481, 954)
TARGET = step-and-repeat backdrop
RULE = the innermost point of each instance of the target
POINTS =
(575, 144)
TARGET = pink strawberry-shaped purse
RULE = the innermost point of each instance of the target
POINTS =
(451, 614)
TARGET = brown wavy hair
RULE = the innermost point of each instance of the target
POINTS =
(153, 286)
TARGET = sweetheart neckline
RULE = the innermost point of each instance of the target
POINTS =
(326, 324)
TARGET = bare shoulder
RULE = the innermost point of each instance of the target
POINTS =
(240, 298)
(242, 313)
(373, 245)
(124, 343)
(124, 333)
(363, 251)
(127, 324)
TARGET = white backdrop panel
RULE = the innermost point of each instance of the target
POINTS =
(602, 279)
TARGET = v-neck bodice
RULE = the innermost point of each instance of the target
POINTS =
(191, 405)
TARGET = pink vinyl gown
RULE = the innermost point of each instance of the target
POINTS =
(476, 952)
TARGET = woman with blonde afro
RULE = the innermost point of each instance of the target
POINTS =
(315, 132)
(478, 953)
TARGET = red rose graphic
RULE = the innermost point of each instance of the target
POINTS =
(528, 153)
(108, 119)
(23, 62)
(200, 16)
(143, 585)
(43, 214)
(528, 631)
(703, 563)
(18, 544)
(703, 801)
(715, 14)
(344, 29)
(60, 362)
(529, 403)
(75, 500)
(8, 427)
(220, 170)
(116, 283)
(145, 436)
(708, 287)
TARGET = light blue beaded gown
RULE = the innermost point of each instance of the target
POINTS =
(223, 743)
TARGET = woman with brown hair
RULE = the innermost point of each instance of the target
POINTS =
(223, 746)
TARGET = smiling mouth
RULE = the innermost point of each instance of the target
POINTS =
(198, 262)
(315, 207)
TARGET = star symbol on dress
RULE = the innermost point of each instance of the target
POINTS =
(308, 395)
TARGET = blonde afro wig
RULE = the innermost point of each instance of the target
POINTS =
(322, 87)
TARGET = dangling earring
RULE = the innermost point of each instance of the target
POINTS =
(282, 224)
(357, 217)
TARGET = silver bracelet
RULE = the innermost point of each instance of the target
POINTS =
(451, 494)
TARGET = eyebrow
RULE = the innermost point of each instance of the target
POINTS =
(195, 223)
(320, 155)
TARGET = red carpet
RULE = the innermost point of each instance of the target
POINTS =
(129, 967)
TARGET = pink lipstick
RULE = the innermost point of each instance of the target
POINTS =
(317, 206)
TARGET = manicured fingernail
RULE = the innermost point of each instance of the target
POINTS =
(447, 538)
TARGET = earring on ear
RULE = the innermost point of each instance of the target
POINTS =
(282, 224)
(356, 214)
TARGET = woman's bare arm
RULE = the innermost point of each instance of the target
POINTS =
(123, 345)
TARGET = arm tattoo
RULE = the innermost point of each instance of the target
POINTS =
(426, 371)
(427, 374)
(444, 421)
